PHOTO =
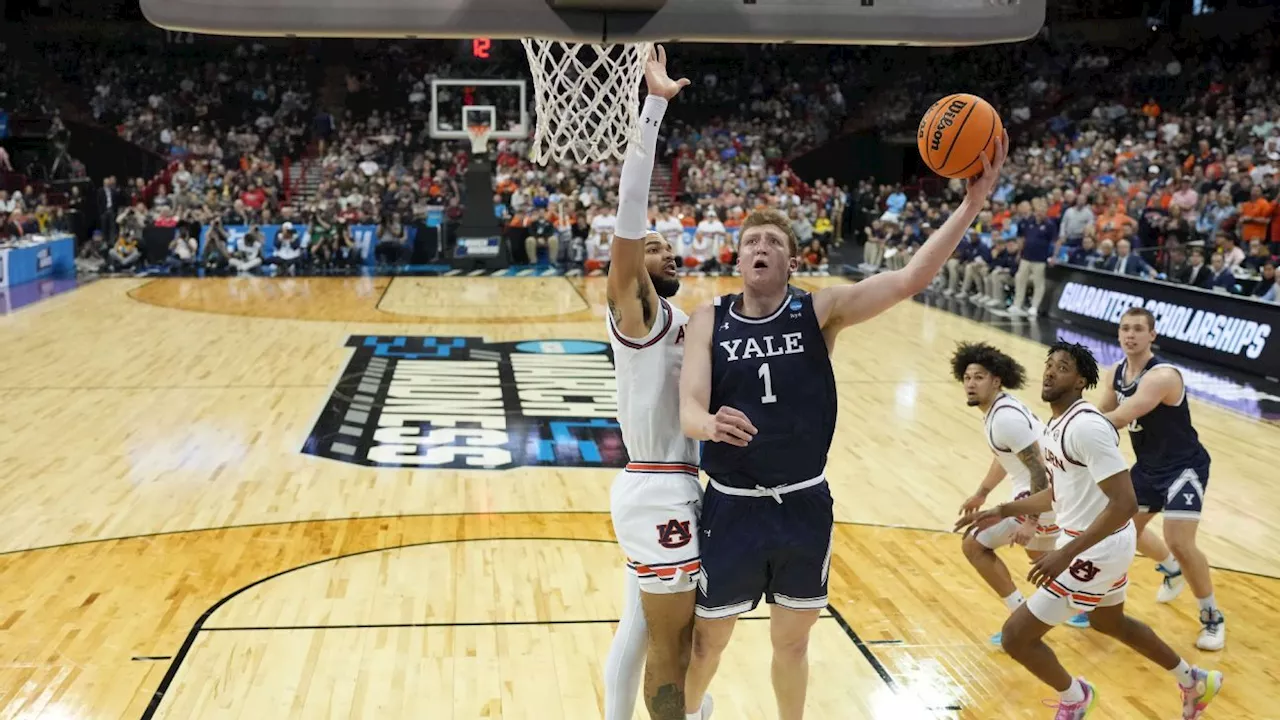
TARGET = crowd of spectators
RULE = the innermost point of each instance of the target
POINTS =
(1164, 170)
(1169, 173)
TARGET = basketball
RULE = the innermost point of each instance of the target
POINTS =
(954, 133)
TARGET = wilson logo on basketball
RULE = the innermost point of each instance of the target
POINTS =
(674, 534)
(947, 120)
(1084, 571)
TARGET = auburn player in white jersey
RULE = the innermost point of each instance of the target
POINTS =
(1013, 434)
(1092, 493)
(656, 499)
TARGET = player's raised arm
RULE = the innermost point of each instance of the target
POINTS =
(633, 302)
(726, 424)
(1156, 386)
(844, 305)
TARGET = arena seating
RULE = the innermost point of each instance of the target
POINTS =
(255, 147)
(1174, 164)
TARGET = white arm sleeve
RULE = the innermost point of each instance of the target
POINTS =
(1011, 430)
(1092, 440)
(637, 170)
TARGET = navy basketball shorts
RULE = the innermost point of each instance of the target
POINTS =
(1179, 494)
(754, 546)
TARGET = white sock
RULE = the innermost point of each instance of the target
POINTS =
(625, 664)
(1171, 564)
(1183, 674)
(1073, 694)
(1014, 600)
(697, 714)
(1208, 603)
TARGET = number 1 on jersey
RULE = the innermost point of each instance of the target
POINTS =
(768, 396)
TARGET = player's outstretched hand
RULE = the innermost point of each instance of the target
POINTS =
(731, 426)
(655, 75)
(981, 186)
(1025, 533)
(1048, 567)
(973, 504)
(978, 520)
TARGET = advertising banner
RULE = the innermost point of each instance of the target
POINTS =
(1228, 330)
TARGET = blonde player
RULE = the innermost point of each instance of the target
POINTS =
(655, 501)
(1013, 434)
(1090, 488)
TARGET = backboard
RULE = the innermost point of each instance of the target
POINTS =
(503, 105)
(910, 22)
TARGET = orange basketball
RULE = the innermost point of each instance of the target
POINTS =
(954, 133)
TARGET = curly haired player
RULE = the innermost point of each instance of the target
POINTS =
(1092, 493)
(1013, 434)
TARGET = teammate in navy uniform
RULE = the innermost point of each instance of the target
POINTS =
(757, 386)
(1171, 475)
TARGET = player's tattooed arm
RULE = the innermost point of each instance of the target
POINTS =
(1033, 459)
(646, 306)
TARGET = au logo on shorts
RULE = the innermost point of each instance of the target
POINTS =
(464, 403)
(674, 534)
(1084, 570)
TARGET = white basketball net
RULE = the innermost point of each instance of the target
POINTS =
(479, 138)
(587, 98)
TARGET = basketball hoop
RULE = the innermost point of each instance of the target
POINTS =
(587, 98)
(479, 138)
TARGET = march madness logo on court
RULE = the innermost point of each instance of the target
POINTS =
(464, 403)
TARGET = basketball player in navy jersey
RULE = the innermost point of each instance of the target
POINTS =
(757, 386)
(1171, 475)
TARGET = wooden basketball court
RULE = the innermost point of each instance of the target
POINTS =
(181, 542)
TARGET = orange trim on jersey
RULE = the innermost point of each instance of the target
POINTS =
(1057, 588)
(1046, 529)
(667, 572)
(662, 467)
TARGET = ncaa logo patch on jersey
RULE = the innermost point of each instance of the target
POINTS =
(674, 534)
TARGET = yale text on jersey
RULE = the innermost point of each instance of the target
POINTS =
(766, 346)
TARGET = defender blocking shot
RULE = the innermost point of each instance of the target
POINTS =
(654, 501)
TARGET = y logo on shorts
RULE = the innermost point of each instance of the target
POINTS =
(674, 534)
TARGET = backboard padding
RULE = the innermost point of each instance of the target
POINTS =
(920, 22)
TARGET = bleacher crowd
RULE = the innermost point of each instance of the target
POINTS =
(1167, 172)
(1163, 171)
